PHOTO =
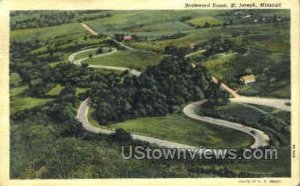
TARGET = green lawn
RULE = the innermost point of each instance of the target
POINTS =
(220, 65)
(55, 90)
(17, 90)
(130, 59)
(163, 27)
(179, 128)
(54, 64)
(80, 90)
(22, 103)
(202, 20)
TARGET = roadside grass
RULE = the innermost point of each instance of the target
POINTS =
(131, 59)
(92, 52)
(180, 129)
(236, 110)
(252, 113)
(202, 20)
(285, 116)
(21, 103)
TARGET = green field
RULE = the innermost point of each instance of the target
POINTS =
(181, 129)
(17, 90)
(220, 65)
(130, 59)
(207, 19)
(125, 21)
(22, 103)
(164, 27)
(19, 102)
(55, 90)
(47, 32)
(80, 90)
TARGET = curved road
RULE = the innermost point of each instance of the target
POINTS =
(261, 139)
(78, 62)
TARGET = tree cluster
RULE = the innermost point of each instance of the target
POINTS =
(161, 89)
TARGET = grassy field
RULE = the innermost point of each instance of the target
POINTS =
(80, 90)
(163, 27)
(22, 103)
(125, 21)
(207, 19)
(220, 65)
(55, 90)
(181, 129)
(17, 90)
(47, 32)
(130, 59)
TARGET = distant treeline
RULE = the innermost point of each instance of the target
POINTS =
(53, 18)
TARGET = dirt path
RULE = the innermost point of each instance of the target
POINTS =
(194, 53)
(89, 29)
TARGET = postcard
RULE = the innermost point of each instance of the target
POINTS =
(135, 92)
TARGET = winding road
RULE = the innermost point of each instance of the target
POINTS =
(260, 138)
(78, 62)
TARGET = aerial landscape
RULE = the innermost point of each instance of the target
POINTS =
(86, 84)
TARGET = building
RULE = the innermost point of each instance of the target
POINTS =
(128, 38)
(248, 79)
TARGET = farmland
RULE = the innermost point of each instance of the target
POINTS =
(47, 89)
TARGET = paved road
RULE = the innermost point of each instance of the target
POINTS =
(78, 62)
(82, 116)
(261, 139)
(269, 102)
(128, 47)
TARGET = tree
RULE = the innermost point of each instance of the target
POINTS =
(15, 79)
(206, 25)
(121, 136)
(99, 51)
